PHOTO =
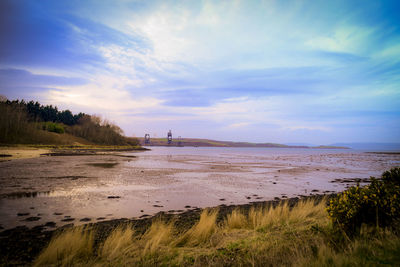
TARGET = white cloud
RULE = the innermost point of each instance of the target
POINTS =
(104, 94)
(345, 39)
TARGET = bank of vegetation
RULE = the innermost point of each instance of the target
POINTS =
(32, 123)
(359, 227)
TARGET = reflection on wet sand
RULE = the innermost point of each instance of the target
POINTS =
(55, 191)
(103, 164)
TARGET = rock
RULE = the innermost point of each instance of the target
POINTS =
(57, 213)
(113, 197)
(85, 220)
(101, 218)
(22, 213)
(50, 224)
(32, 219)
(68, 220)
(187, 207)
(158, 206)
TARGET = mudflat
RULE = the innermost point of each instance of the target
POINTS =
(56, 190)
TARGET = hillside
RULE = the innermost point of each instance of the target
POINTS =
(194, 142)
(34, 124)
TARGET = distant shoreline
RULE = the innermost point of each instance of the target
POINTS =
(195, 142)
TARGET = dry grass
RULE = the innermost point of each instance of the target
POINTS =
(276, 236)
(159, 234)
(201, 231)
(72, 245)
(117, 243)
(236, 220)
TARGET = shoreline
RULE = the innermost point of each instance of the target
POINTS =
(15, 152)
(21, 245)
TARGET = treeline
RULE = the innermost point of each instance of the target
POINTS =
(38, 112)
(31, 122)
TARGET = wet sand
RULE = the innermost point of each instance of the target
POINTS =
(59, 190)
(12, 153)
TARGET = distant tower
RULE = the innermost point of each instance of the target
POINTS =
(147, 139)
(169, 137)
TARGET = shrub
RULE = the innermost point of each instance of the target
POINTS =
(392, 176)
(53, 127)
(376, 204)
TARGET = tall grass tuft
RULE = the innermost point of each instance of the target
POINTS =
(117, 243)
(236, 220)
(160, 233)
(72, 245)
(304, 212)
(201, 231)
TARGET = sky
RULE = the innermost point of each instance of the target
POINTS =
(317, 72)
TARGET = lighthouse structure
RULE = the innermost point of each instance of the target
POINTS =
(147, 139)
(169, 136)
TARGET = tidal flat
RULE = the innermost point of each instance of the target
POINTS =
(53, 191)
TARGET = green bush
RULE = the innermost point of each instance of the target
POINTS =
(53, 127)
(377, 204)
(392, 176)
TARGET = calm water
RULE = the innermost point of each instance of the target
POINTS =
(71, 188)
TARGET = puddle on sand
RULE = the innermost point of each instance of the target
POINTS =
(14, 195)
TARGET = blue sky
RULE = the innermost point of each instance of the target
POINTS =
(315, 72)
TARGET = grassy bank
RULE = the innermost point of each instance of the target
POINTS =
(301, 235)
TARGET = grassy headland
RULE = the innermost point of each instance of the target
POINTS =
(37, 126)
(195, 142)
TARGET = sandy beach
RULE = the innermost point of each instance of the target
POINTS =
(12, 153)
